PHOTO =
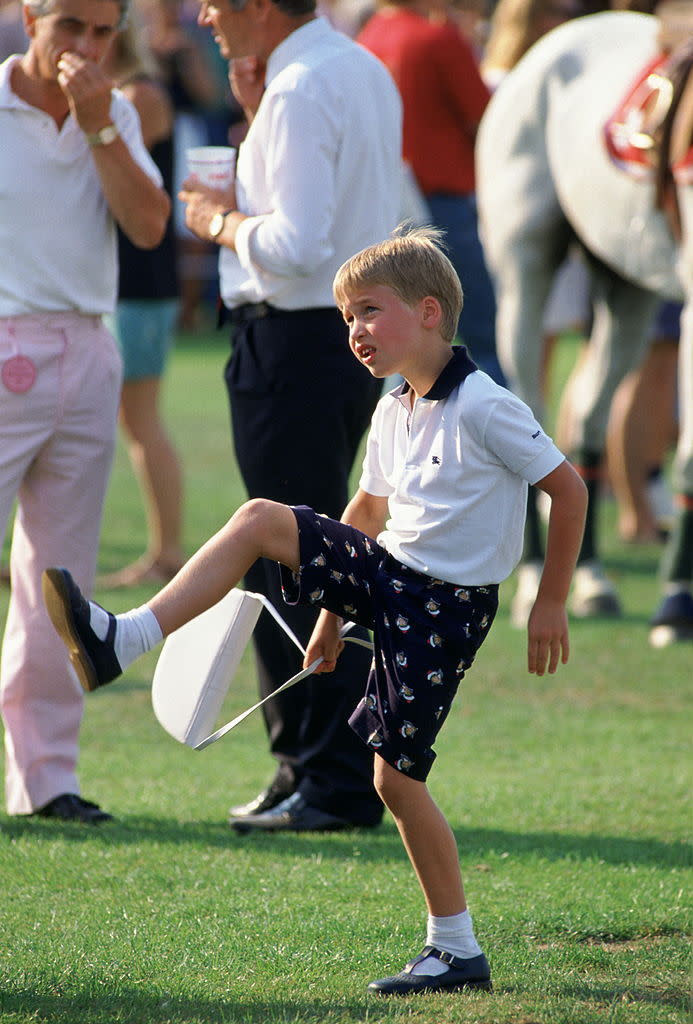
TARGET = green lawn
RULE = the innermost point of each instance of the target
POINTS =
(569, 796)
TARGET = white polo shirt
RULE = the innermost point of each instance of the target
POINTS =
(455, 472)
(58, 247)
(319, 173)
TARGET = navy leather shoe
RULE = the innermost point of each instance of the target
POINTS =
(474, 973)
(93, 660)
(293, 814)
(70, 807)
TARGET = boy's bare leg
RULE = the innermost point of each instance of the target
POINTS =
(101, 645)
(427, 838)
(452, 958)
(259, 529)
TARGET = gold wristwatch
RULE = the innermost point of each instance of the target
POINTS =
(108, 134)
(216, 224)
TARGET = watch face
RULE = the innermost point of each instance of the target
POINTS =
(104, 137)
(108, 134)
(216, 224)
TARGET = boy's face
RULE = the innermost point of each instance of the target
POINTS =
(385, 334)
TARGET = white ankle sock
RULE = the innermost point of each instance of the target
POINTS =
(137, 631)
(454, 935)
(98, 620)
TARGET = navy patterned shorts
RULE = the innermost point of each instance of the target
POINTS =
(426, 634)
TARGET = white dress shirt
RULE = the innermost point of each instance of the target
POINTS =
(319, 173)
(58, 246)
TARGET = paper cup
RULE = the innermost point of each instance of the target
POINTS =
(214, 166)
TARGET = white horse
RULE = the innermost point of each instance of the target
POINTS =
(543, 177)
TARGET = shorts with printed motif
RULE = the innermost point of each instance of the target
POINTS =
(426, 634)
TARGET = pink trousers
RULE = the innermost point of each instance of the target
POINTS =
(56, 447)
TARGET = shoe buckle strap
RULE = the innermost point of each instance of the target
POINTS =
(444, 957)
(438, 954)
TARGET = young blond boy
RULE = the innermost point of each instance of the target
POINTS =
(443, 489)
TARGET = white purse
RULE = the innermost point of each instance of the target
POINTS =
(198, 662)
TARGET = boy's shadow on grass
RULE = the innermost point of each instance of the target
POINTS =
(376, 845)
(133, 1006)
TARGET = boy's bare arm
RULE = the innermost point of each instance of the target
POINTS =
(548, 620)
(367, 512)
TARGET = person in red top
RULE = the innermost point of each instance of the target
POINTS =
(444, 97)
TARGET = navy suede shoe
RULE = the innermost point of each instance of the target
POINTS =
(93, 660)
(474, 973)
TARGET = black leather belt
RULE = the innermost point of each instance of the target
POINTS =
(250, 311)
(260, 310)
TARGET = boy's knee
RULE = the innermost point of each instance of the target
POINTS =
(252, 519)
(392, 786)
(269, 529)
(256, 506)
(257, 513)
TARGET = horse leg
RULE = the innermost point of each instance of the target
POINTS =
(622, 314)
(673, 620)
(523, 282)
(642, 430)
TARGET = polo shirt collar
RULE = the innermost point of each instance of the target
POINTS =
(8, 98)
(452, 375)
(295, 44)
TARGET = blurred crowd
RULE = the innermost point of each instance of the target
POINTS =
(184, 57)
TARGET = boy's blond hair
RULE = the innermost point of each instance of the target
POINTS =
(412, 263)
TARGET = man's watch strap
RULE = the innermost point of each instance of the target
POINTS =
(109, 133)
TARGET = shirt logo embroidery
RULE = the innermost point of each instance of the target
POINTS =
(535, 436)
(435, 460)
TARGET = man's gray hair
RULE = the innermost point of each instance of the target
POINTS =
(39, 8)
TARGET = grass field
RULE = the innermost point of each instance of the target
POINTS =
(569, 796)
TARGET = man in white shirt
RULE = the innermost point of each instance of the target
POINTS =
(72, 165)
(318, 179)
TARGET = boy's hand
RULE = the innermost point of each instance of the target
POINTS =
(548, 621)
(325, 642)
(547, 640)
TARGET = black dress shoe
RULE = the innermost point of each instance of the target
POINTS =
(93, 660)
(473, 973)
(275, 793)
(291, 815)
(70, 807)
